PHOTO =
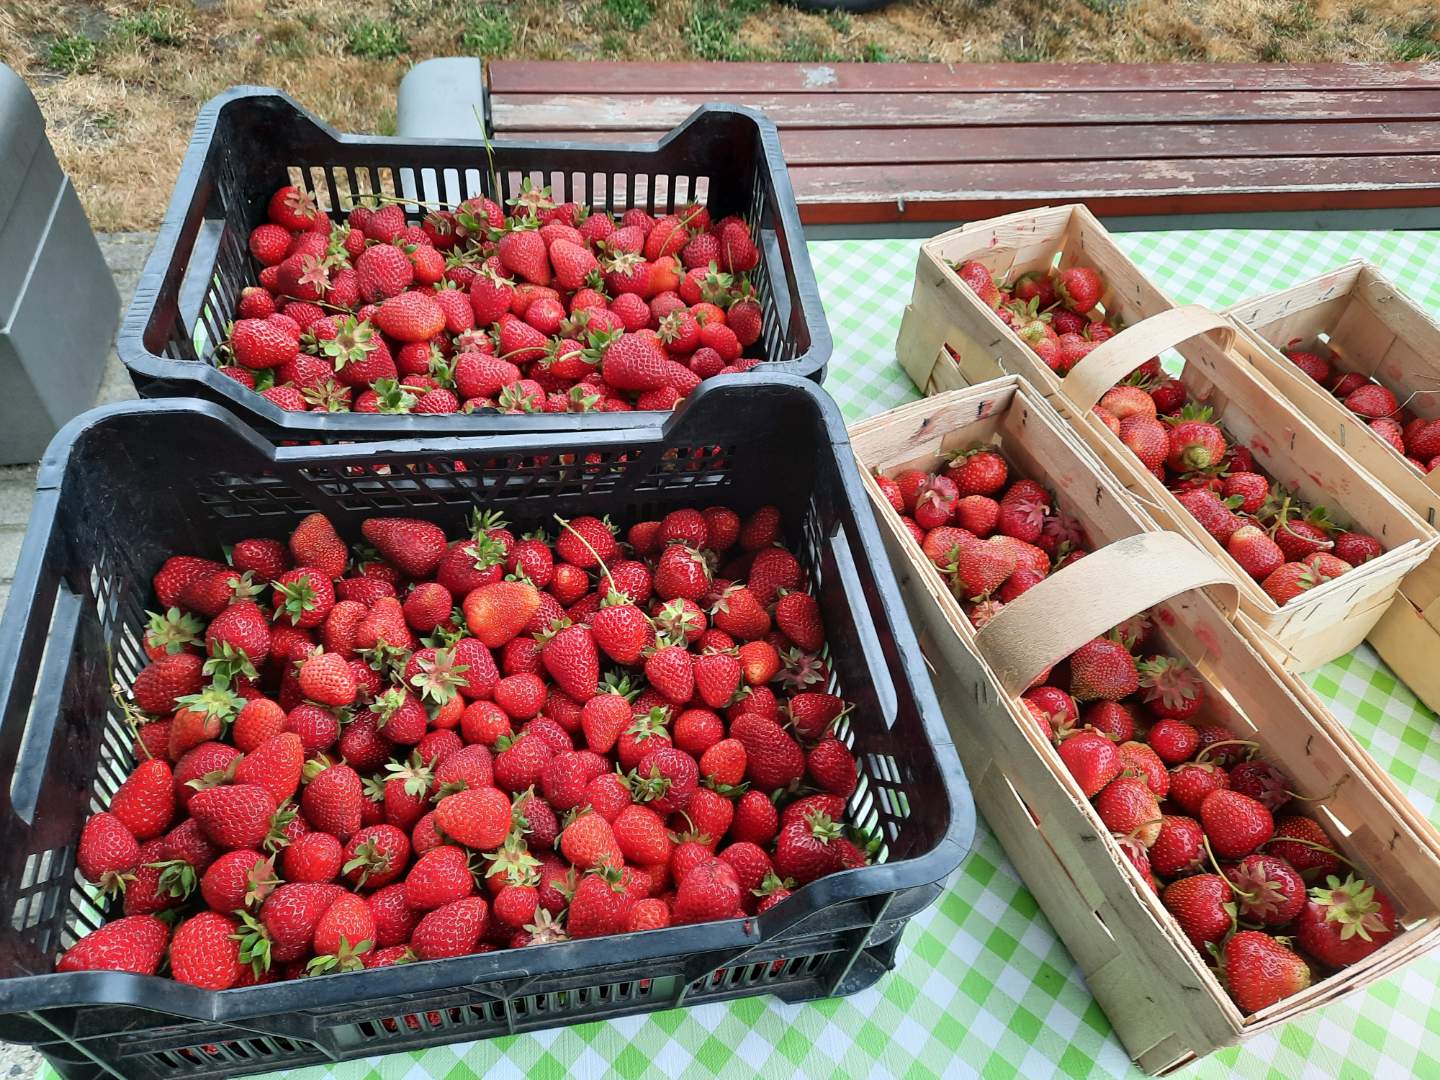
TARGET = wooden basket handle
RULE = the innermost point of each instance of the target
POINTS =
(1112, 360)
(1048, 622)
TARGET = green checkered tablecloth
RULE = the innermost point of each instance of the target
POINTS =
(983, 987)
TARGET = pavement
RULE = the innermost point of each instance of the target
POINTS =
(125, 253)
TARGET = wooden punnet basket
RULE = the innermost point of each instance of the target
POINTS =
(949, 338)
(1164, 1002)
(1359, 321)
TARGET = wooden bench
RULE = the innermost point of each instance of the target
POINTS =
(881, 145)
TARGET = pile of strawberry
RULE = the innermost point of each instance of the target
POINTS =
(991, 536)
(432, 748)
(1288, 547)
(1206, 821)
(546, 308)
(1415, 438)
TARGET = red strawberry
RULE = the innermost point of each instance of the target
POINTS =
(314, 857)
(344, 934)
(1356, 548)
(1103, 669)
(1236, 824)
(1192, 782)
(234, 816)
(1092, 759)
(832, 767)
(1170, 687)
(671, 672)
(717, 678)
(145, 802)
(1261, 781)
(589, 842)
(454, 929)
(334, 801)
(1302, 843)
(1199, 904)
(204, 952)
(275, 765)
(600, 905)
(107, 853)
(523, 253)
(1179, 848)
(326, 678)
(1259, 970)
(415, 547)
(665, 778)
(1112, 719)
(571, 659)
(977, 275)
(1195, 444)
(438, 877)
(135, 943)
(1213, 515)
(1312, 364)
(981, 567)
(161, 683)
(1080, 288)
(808, 848)
(479, 818)
(496, 613)
(238, 879)
(1267, 888)
(773, 759)
(1258, 555)
(1372, 401)
(1345, 921)
(707, 892)
(1289, 581)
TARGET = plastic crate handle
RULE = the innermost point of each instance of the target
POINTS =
(880, 680)
(1083, 600)
(1112, 360)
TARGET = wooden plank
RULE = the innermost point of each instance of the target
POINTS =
(1198, 186)
(551, 112)
(548, 77)
(1099, 142)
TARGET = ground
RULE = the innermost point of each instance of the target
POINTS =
(120, 82)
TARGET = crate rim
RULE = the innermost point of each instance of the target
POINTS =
(30, 992)
(137, 357)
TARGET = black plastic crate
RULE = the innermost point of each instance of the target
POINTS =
(249, 141)
(125, 486)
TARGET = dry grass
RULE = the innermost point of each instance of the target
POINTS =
(120, 82)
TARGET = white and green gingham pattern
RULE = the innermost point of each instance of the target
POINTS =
(982, 986)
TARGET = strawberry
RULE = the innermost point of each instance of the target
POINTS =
(234, 816)
(1236, 824)
(1123, 402)
(1022, 511)
(1179, 847)
(711, 890)
(326, 678)
(600, 905)
(1250, 488)
(981, 281)
(665, 778)
(479, 818)
(1213, 515)
(1195, 443)
(740, 613)
(135, 943)
(496, 613)
(682, 574)
(171, 632)
(1372, 401)
(717, 678)
(832, 767)
(570, 656)
(262, 344)
(1192, 782)
(1079, 288)
(333, 801)
(773, 759)
(1258, 555)
(671, 672)
(161, 683)
(603, 718)
(1267, 889)
(314, 857)
(204, 952)
(808, 848)
(1112, 719)
(438, 877)
(107, 853)
(1356, 548)
(1345, 921)
(981, 567)
(589, 842)
(1092, 759)
(1103, 669)
(454, 929)
(1312, 364)
(275, 765)
(1304, 844)
(1173, 741)
(145, 802)
(1259, 970)
(344, 934)
(1202, 905)
(1170, 687)
(1289, 581)
(238, 879)
(415, 547)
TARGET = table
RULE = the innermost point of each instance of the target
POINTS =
(982, 986)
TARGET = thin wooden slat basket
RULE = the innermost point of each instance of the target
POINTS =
(1359, 321)
(1163, 1001)
(949, 338)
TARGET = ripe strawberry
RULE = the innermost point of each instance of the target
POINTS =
(238, 879)
(717, 678)
(454, 929)
(1103, 669)
(808, 848)
(234, 816)
(275, 765)
(1259, 970)
(1356, 548)
(438, 877)
(1022, 511)
(1179, 848)
(1345, 921)
(981, 281)
(1080, 288)
(1267, 889)
(1289, 581)
(314, 857)
(496, 613)
(1092, 759)
(172, 632)
(665, 778)
(1199, 905)
(671, 672)
(589, 842)
(261, 344)
(981, 567)
(334, 800)
(326, 678)
(161, 683)
(145, 802)
(773, 759)
(1312, 364)
(740, 613)
(682, 574)
(135, 943)
(1372, 401)
(1112, 719)
(204, 952)
(344, 934)
(479, 818)
(1173, 741)
(107, 853)
(1213, 515)
(1236, 824)
(571, 659)
(1195, 444)
(1192, 782)
(415, 547)
(1302, 843)
(641, 836)
(832, 767)
(1123, 402)
(1258, 555)
(710, 890)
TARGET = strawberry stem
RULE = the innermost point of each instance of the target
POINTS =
(598, 559)
(1312, 844)
(1223, 876)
